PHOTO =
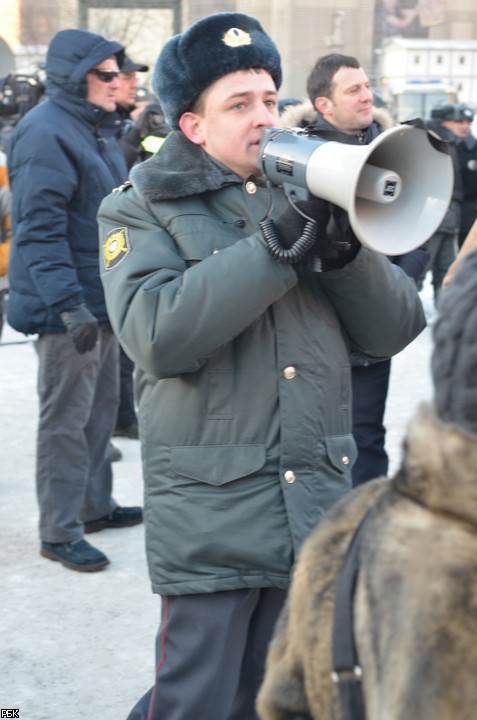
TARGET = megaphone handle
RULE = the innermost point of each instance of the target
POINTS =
(300, 247)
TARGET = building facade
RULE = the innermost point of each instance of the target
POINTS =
(302, 29)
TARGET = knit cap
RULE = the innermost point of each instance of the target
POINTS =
(454, 358)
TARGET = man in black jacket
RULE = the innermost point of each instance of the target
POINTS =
(339, 90)
(467, 152)
(130, 135)
(130, 143)
(442, 246)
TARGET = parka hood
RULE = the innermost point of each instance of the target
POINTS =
(71, 54)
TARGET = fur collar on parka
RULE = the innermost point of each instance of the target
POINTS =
(179, 170)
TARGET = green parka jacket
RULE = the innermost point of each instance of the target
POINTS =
(243, 369)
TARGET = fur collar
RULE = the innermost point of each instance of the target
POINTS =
(439, 467)
(180, 169)
(305, 114)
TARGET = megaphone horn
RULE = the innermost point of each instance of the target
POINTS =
(396, 190)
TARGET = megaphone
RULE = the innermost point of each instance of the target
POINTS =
(396, 190)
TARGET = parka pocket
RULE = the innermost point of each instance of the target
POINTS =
(217, 464)
(199, 236)
(342, 451)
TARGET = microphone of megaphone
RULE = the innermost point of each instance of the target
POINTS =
(396, 190)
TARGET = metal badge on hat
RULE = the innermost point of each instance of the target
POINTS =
(236, 37)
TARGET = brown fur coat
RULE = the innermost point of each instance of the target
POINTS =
(415, 606)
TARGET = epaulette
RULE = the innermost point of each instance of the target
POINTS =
(123, 187)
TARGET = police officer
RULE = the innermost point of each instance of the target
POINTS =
(467, 151)
(446, 122)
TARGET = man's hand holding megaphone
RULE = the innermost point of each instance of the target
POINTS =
(335, 243)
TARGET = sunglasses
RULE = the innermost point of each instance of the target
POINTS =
(105, 76)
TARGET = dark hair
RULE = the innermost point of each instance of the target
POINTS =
(320, 80)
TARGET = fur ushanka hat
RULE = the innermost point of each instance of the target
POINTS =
(215, 46)
(454, 359)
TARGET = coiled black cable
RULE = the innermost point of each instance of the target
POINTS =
(300, 247)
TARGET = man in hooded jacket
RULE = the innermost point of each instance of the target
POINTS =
(63, 158)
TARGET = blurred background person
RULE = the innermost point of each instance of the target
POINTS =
(467, 152)
(129, 141)
(5, 234)
(143, 131)
(126, 98)
(446, 122)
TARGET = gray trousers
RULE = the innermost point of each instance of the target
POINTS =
(78, 400)
(210, 655)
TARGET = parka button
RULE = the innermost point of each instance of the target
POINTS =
(215, 251)
(345, 460)
(289, 373)
(250, 187)
(289, 476)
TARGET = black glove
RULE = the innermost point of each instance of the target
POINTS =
(290, 223)
(292, 236)
(335, 244)
(82, 326)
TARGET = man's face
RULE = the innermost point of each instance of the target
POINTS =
(103, 84)
(350, 107)
(461, 128)
(233, 111)
(126, 95)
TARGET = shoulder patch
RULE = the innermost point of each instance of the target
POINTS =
(115, 247)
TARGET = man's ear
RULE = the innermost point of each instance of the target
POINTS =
(322, 104)
(191, 126)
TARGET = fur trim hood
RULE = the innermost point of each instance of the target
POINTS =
(305, 114)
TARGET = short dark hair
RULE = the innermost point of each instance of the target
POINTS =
(320, 80)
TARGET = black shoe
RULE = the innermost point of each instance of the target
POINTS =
(119, 518)
(76, 555)
(116, 453)
(129, 431)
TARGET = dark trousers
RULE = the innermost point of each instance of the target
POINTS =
(126, 410)
(370, 389)
(210, 655)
